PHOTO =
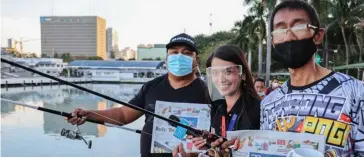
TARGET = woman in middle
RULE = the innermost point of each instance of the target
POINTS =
(235, 103)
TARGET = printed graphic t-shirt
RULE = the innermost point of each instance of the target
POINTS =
(332, 106)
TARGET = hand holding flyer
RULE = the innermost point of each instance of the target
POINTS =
(166, 137)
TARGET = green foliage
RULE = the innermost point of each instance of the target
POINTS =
(94, 58)
(147, 59)
(112, 54)
(66, 57)
(341, 20)
(55, 55)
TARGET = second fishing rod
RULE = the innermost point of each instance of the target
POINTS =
(171, 121)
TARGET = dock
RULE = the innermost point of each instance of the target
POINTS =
(39, 81)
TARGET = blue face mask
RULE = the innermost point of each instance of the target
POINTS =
(261, 94)
(179, 64)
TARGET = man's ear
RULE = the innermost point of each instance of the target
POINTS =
(319, 37)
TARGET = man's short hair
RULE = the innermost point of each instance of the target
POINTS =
(294, 5)
(259, 80)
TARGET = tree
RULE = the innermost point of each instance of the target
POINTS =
(359, 32)
(322, 9)
(256, 29)
(242, 37)
(55, 55)
(66, 57)
(112, 54)
(158, 58)
(341, 17)
(268, 6)
(95, 58)
(344, 13)
(33, 55)
(44, 55)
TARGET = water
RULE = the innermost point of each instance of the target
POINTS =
(29, 132)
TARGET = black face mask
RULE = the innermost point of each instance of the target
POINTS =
(294, 54)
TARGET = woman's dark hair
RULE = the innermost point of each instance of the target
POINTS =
(235, 55)
(294, 5)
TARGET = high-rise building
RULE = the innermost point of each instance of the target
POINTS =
(81, 36)
(11, 43)
(112, 41)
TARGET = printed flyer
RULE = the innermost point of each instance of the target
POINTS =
(164, 138)
(256, 143)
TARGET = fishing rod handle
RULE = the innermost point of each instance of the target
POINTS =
(211, 137)
(68, 115)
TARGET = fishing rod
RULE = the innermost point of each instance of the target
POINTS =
(197, 131)
(76, 134)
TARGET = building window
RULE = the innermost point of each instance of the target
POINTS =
(135, 75)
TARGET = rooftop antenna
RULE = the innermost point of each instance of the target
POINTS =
(89, 7)
(52, 7)
(210, 30)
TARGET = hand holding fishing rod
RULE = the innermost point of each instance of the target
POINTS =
(76, 134)
(77, 116)
(98, 94)
(205, 135)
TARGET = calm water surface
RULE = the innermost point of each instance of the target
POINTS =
(29, 132)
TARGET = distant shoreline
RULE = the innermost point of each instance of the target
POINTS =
(41, 81)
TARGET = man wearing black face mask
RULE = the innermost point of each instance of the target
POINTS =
(314, 100)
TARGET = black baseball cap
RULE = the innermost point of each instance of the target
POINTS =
(182, 39)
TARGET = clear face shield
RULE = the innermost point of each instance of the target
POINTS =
(223, 81)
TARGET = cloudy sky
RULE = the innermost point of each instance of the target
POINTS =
(136, 21)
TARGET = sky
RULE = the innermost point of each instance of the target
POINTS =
(136, 21)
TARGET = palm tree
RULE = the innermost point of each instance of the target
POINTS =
(112, 54)
(244, 38)
(258, 28)
(359, 32)
(251, 30)
(322, 8)
(345, 14)
(269, 5)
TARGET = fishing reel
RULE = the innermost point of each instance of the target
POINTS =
(75, 134)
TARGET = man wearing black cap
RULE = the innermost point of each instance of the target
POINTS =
(180, 85)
